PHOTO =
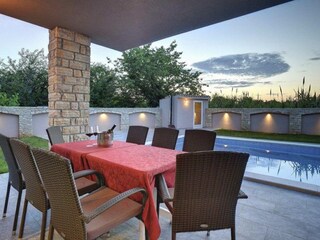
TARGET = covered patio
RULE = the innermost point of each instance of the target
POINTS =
(270, 213)
(119, 25)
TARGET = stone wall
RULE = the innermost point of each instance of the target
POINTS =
(295, 115)
(25, 115)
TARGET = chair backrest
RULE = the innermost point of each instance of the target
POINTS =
(15, 175)
(165, 137)
(198, 140)
(137, 134)
(55, 135)
(66, 212)
(206, 190)
(35, 192)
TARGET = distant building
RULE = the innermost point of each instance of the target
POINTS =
(183, 111)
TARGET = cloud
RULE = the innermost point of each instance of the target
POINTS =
(224, 83)
(241, 70)
(250, 64)
(314, 59)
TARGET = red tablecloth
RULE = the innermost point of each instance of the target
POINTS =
(77, 151)
(136, 166)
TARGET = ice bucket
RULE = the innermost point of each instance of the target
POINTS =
(105, 139)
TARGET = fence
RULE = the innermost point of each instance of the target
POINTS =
(271, 120)
(18, 121)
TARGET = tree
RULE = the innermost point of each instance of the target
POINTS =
(103, 86)
(9, 101)
(147, 75)
(26, 77)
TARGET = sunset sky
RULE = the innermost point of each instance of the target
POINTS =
(255, 53)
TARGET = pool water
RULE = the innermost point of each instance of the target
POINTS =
(291, 161)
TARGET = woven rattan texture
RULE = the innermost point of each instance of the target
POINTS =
(66, 210)
(198, 140)
(137, 134)
(165, 137)
(55, 135)
(206, 190)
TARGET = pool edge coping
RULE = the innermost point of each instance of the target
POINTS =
(283, 183)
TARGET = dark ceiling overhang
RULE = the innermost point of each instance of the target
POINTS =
(124, 24)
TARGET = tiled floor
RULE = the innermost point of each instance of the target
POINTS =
(270, 213)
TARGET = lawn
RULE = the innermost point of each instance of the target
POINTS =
(33, 141)
(271, 136)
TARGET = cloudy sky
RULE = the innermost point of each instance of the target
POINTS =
(256, 53)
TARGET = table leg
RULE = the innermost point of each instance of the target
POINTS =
(141, 224)
(164, 212)
(141, 231)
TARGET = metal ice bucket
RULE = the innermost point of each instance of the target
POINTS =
(105, 139)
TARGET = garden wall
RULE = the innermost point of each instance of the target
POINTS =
(18, 121)
(272, 120)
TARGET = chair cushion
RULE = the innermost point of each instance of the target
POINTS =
(85, 185)
(110, 218)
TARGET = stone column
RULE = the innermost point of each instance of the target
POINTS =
(69, 82)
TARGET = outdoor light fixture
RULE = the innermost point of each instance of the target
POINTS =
(142, 116)
(103, 116)
(186, 102)
(268, 116)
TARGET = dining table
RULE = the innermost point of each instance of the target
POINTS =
(124, 166)
(76, 151)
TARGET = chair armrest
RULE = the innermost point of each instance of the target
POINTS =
(88, 172)
(163, 189)
(88, 217)
(242, 195)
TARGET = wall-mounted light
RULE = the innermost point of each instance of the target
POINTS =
(226, 116)
(142, 116)
(103, 117)
(268, 118)
(186, 102)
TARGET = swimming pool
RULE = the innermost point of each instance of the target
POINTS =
(290, 161)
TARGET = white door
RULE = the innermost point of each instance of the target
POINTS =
(197, 114)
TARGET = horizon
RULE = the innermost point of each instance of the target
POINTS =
(258, 53)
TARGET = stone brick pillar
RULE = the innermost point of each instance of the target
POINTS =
(69, 82)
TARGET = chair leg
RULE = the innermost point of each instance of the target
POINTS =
(23, 218)
(146, 235)
(233, 233)
(6, 201)
(173, 237)
(51, 230)
(43, 225)
(15, 221)
(158, 205)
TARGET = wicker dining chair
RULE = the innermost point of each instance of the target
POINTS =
(198, 140)
(137, 134)
(15, 178)
(90, 216)
(194, 140)
(206, 192)
(84, 185)
(55, 135)
(165, 137)
(35, 194)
